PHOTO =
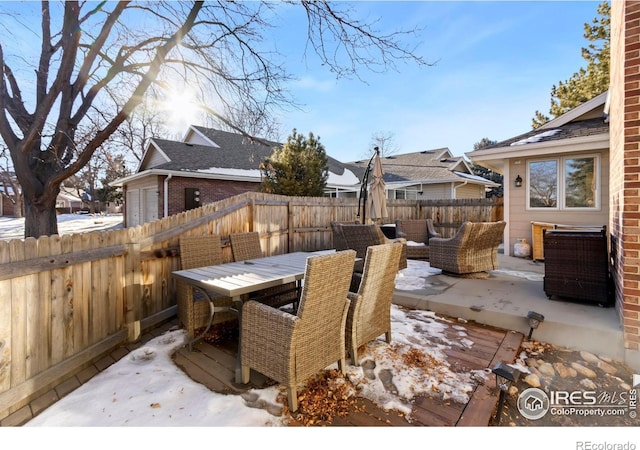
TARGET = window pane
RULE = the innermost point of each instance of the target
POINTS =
(543, 184)
(580, 183)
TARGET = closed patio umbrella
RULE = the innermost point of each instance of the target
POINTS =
(377, 194)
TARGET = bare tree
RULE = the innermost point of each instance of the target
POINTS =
(385, 143)
(103, 58)
(135, 133)
(10, 186)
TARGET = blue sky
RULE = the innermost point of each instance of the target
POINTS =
(495, 64)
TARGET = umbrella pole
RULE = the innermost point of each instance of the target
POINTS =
(363, 187)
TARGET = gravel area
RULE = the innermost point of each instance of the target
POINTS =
(582, 389)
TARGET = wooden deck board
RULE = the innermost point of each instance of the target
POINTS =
(472, 361)
(481, 405)
(435, 412)
(198, 374)
(372, 415)
(213, 366)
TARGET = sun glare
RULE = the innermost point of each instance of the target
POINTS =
(181, 109)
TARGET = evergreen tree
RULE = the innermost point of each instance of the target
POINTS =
(484, 143)
(481, 171)
(116, 168)
(298, 168)
(586, 83)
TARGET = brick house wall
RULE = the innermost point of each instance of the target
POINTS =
(210, 191)
(8, 208)
(624, 221)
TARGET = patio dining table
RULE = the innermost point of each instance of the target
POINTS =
(236, 279)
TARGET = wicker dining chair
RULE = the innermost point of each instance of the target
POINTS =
(246, 245)
(370, 307)
(359, 237)
(473, 249)
(291, 348)
(418, 231)
(194, 311)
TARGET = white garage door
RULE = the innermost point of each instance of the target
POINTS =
(133, 207)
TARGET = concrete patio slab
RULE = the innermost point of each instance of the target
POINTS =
(508, 294)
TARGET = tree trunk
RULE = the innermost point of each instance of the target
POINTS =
(41, 219)
(17, 207)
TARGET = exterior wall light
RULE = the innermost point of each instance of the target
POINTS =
(518, 181)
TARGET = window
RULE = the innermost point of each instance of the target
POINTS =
(402, 194)
(398, 194)
(340, 194)
(564, 183)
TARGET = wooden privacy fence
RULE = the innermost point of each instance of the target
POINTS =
(66, 301)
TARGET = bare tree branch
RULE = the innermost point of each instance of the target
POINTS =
(98, 62)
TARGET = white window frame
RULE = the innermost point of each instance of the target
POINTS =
(406, 194)
(561, 162)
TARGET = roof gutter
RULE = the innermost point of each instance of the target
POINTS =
(204, 175)
(494, 158)
(597, 141)
(179, 173)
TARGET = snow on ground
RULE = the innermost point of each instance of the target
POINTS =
(146, 388)
(13, 228)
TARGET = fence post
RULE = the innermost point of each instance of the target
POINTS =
(290, 234)
(132, 290)
(251, 214)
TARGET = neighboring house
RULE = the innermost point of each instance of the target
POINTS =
(556, 174)
(583, 168)
(68, 201)
(209, 165)
(430, 174)
(7, 208)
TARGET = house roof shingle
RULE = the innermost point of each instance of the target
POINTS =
(570, 130)
(429, 165)
(231, 151)
(192, 157)
(241, 152)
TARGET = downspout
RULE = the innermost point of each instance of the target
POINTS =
(455, 188)
(506, 207)
(166, 195)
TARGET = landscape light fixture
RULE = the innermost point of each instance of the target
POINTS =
(518, 181)
(535, 319)
(506, 376)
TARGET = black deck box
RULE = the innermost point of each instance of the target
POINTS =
(577, 265)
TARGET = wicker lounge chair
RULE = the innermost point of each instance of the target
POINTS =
(291, 348)
(473, 249)
(193, 306)
(370, 308)
(418, 231)
(246, 246)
